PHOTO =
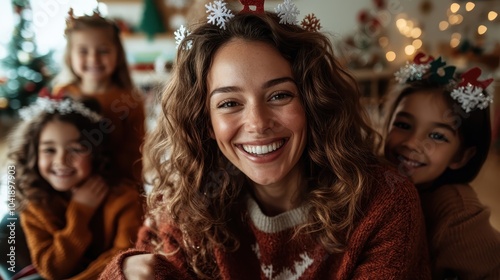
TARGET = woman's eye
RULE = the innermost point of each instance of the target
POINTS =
(280, 96)
(438, 136)
(104, 51)
(227, 104)
(402, 125)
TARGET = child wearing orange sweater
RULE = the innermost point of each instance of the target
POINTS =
(75, 212)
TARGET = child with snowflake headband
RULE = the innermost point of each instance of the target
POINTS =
(76, 211)
(263, 166)
(438, 133)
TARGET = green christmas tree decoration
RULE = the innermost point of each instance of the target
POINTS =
(24, 71)
(152, 22)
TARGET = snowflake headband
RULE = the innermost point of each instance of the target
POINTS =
(219, 14)
(468, 92)
(63, 107)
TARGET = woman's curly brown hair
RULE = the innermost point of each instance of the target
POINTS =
(198, 189)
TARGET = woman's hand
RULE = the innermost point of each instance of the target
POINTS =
(91, 192)
(139, 267)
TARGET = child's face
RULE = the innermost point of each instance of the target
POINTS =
(93, 55)
(62, 161)
(258, 120)
(423, 138)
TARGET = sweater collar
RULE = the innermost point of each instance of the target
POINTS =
(276, 223)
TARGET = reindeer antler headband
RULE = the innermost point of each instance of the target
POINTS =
(466, 90)
(219, 14)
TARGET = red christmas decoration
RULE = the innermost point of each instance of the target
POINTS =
(311, 23)
(420, 58)
(259, 6)
(471, 77)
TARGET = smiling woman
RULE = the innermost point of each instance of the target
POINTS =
(270, 170)
(259, 123)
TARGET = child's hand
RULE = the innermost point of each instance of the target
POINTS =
(91, 192)
(139, 267)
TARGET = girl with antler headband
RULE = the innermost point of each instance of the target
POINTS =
(438, 134)
(95, 66)
(264, 168)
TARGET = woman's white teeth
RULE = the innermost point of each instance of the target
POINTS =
(263, 149)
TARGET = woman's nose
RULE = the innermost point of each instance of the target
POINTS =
(258, 119)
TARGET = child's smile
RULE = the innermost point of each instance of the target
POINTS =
(423, 139)
(62, 161)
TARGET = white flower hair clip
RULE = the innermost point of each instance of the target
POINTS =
(63, 107)
(470, 92)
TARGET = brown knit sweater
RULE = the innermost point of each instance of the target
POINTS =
(388, 243)
(461, 239)
(73, 241)
(125, 120)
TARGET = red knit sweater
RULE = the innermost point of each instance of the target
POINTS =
(388, 243)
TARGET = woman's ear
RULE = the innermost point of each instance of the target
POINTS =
(462, 158)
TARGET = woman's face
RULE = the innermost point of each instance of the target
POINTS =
(257, 117)
(423, 137)
(62, 160)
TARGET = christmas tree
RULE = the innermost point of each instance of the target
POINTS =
(152, 22)
(25, 71)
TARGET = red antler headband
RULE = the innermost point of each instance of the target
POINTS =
(468, 92)
(219, 14)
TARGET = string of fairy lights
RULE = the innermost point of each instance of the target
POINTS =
(456, 18)
(467, 22)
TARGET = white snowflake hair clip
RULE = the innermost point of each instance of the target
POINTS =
(219, 14)
(470, 91)
(63, 107)
(288, 12)
(415, 70)
(180, 35)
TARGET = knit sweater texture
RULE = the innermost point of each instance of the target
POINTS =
(73, 241)
(461, 239)
(388, 243)
(124, 123)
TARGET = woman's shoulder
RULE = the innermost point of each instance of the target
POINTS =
(388, 181)
(390, 192)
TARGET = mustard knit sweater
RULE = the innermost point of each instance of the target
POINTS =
(461, 239)
(76, 242)
(388, 243)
